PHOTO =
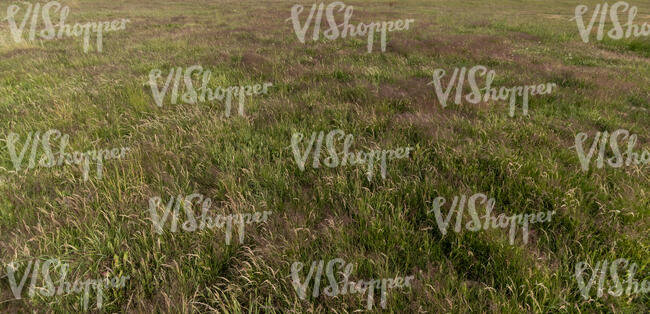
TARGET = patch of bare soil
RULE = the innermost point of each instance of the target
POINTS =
(473, 46)
(256, 62)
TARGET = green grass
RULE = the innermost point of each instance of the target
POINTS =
(245, 164)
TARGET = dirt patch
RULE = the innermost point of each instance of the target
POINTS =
(407, 46)
(483, 46)
(296, 70)
(525, 36)
(480, 23)
(414, 91)
(473, 46)
(256, 62)
(20, 51)
(178, 19)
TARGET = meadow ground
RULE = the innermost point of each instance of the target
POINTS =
(102, 227)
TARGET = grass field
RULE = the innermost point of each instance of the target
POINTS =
(102, 100)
